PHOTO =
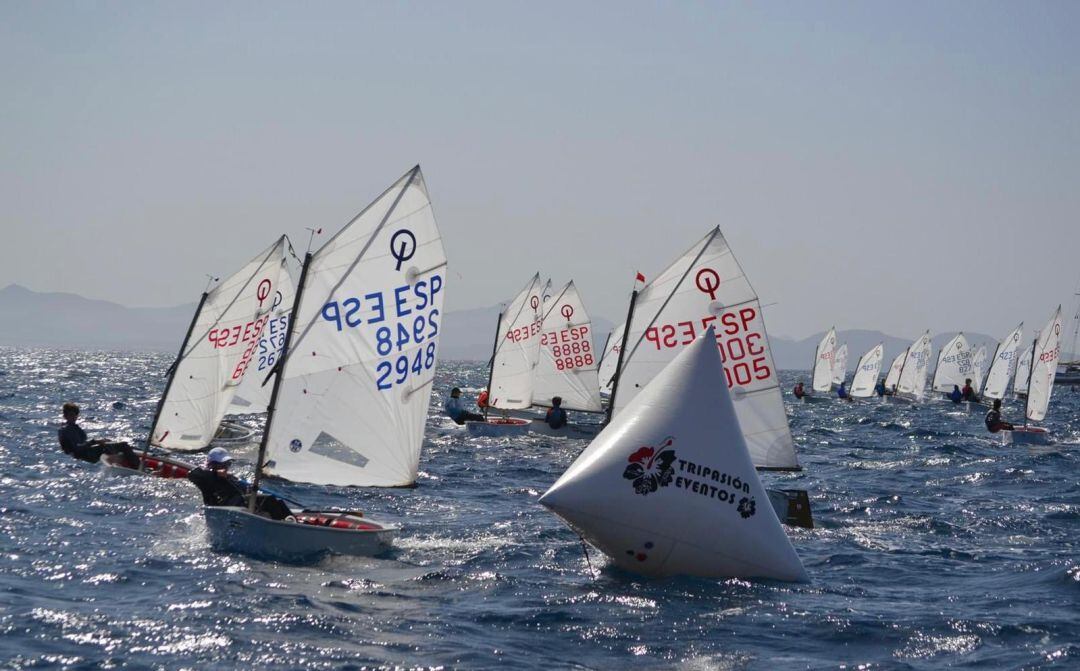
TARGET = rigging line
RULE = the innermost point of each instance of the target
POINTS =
(588, 562)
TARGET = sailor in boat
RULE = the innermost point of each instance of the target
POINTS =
(880, 389)
(993, 420)
(798, 390)
(219, 488)
(969, 392)
(955, 395)
(843, 394)
(455, 408)
(73, 441)
(556, 417)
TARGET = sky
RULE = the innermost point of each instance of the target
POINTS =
(891, 166)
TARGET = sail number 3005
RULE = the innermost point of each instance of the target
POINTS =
(743, 349)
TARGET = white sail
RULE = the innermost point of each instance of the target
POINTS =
(219, 350)
(610, 361)
(356, 382)
(839, 368)
(517, 349)
(1044, 368)
(706, 286)
(867, 372)
(823, 362)
(668, 488)
(568, 364)
(954, 365)
(893, 378)
(916, 366)
(1003, 365)
(978, 360)
(252, 396)
(1023, 369)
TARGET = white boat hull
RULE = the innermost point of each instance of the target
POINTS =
(239, 530)
(580, 431)
(498, 428)
(1030, 435)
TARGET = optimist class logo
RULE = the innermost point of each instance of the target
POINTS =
(402, 246)
(707, 281)
(651, 468)
(263, 291)
(567, 311)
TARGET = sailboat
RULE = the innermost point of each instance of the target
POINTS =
(707, 286)
(893, 376)
(867, 372)
(214, 356)
(514, 357)
(668, 488)
(978, 361)
(1002, 365)
(1045, 354)
(1023, 374)
(609, 360)
(822, 373)
(353, 384)
(839, 367)
(568, 364)
(954, 365)
(1069, 371)
(911, 384)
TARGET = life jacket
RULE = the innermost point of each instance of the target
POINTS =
(482, 399)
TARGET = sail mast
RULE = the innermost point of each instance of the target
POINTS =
(1031, 370)
(172, 372)
(280, 369)
(622, 352)
(491, 364)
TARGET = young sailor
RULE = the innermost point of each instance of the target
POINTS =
(455, 409)
(221, 489)
(798, 390)
(993, 420)
(73, 441)
(955, 395)
(968, 392)
(556, 416)
(880, 389)
(842, 392)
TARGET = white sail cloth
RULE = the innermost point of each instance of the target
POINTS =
(252, 396)
(568, 363)
(1003, 365)
(219, 351)
(916, 366)
(668, 488)
(893, 378)
(1023, 370)
(954, 365)
(866, 373)
(1044, 368)
(356, 382)
(707, 287)
(823, 362)
(839, 368)
(517, 349)
(978, 360)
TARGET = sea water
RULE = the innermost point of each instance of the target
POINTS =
(935, 546)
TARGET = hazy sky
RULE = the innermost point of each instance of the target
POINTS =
(892, 166)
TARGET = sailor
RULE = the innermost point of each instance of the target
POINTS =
(880, 389)
(221, 489)
(841, 392)
(955, 395)
(993, 420)
(968, 392)
(73, 441)
(455, 409)
(556, 416)
(482, 399)
(798, 390)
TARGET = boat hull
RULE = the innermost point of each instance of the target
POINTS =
(580, 431)
(238, 530)
(498, 428)
(1030, 435)
(152, 465)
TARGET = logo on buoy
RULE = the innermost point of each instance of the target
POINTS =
(651, 468)
(295, 445)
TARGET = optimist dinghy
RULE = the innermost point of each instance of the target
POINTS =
(1002, 365)
(911, 383)
(866, 373)
(668, 488)
(1045, 353)
(954, 366)
(353, 383)
(822, 374)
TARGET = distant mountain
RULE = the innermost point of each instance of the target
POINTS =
(799, 354)
(35, 319)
